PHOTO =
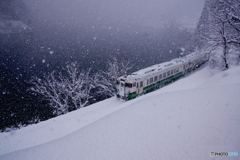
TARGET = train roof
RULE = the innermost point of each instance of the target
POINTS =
(158, 67)
(154, 69)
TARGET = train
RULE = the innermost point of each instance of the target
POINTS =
(154, 77)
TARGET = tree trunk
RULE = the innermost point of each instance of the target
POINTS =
(225, 51)
(225, 63)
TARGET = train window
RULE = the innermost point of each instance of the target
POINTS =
(141, 83)
(147, 81)
(176, 70)
(151, 80)
(168, 73)
(164, 75)
(123, 80)
(129, 85)
(171, 72)
(134, 84)
(160, 76)
(155, 78)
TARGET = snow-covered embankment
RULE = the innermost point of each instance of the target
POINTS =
(184, 120)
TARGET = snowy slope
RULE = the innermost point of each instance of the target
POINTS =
(184, 120)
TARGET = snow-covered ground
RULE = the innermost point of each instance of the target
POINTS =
(185, 120)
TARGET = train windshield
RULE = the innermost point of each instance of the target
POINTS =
(129, 85)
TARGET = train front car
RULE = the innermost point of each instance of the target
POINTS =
(120, 87)
(126, 88)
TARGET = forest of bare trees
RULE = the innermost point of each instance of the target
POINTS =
(73, 88)
(218, 33)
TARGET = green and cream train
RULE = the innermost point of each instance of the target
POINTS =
(156, 76)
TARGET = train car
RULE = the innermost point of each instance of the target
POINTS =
(156, 76)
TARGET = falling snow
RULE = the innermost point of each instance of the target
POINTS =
(4, 92)
(182, 49)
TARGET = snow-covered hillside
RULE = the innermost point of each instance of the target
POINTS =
(185, 120)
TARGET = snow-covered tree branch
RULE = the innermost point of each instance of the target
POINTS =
(232, 8)
(64, 93)
(218, 29)
(105, 82)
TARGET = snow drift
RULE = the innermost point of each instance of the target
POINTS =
(186, 120)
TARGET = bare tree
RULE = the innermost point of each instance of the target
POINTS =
(221, 33)
(113, 70)
(125, 66)
(116, 69)
(105, 82)
(64, 93)
(103, 85)
(220, 36)
(78, 86)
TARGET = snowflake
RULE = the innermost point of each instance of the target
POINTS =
(182, 49)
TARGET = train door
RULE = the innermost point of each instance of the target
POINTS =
(137, 90)
(122, 88)
(139, 87)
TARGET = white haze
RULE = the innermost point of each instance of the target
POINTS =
(76, 14)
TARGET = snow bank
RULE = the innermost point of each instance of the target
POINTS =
(185, 120)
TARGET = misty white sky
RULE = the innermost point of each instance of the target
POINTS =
(77, 13)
